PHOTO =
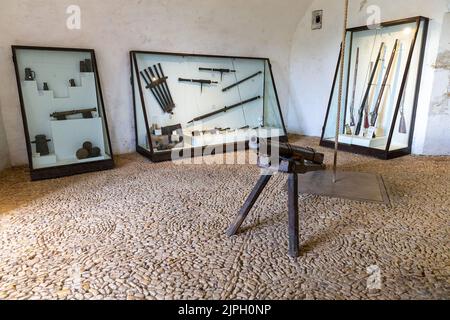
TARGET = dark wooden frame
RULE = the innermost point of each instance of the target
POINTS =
(387, 154)
(167, 155)
(70, 169)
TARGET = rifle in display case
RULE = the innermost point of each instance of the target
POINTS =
(355, 82)
(225, 109)
(365, 101)
(376, 111)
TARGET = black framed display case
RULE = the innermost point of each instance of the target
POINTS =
(189, 105)
(382, 76)
(63, 112)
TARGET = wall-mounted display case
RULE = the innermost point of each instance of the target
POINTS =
(185, 103)
(63, 111)
(382, 77)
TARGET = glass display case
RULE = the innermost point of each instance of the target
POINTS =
(63, 112)
(187, 103)
(382, 77)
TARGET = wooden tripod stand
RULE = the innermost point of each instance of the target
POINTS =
(293, 167)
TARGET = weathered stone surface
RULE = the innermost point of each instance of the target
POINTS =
(157, 231)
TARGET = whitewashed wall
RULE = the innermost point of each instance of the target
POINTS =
(315, 52)
(113, 27)
(4, 153)
(438, 132)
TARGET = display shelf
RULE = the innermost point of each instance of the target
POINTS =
(364, 142)
(60, 120)
(55, 162)
(234, 136)
(44, 161)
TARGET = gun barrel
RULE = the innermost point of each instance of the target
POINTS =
(373, 120)
(288, 150)
(242, 81)
(225, 109)
(217, 70)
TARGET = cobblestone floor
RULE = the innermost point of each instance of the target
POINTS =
(157, 231)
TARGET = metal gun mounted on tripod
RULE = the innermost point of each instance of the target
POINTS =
(286, 150)
(273, 154)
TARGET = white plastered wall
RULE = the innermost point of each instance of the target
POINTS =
(4, 153)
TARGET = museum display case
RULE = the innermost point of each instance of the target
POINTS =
(63, 112)
(382, 77)
(188, 105)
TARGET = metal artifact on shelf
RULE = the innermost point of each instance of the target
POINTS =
(30, 75)
(86, 113)
(41, 142)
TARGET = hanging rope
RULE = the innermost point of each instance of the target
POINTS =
(341, 84)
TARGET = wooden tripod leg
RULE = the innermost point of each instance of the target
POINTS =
(293, 216)
(257, 190)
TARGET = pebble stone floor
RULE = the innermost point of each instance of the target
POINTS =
(157, 231)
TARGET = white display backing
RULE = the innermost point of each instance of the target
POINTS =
(230, 137)
(69, 136)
